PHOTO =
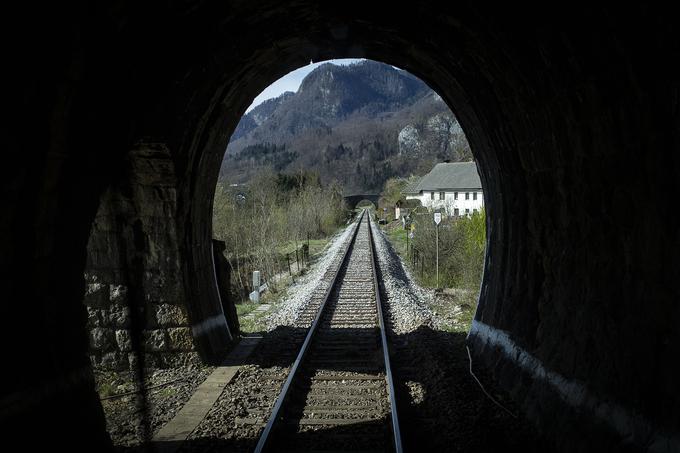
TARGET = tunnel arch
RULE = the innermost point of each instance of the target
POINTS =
(542, 104)
(512, 160)
(353, 201)
(221, 122)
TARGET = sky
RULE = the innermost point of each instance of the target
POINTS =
(292, 80)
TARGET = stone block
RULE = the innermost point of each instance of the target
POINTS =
(155, 340)
(118, 294)
(104, 317)
(96, 295)
(191, 359)
(170, 315)
(162, 285)
(123, 340)
(180, 339)
(114, 361)
(93, 318)
(119, 316)
(101, 339)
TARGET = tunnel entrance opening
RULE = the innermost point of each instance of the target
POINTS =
(280, 186)
(365, 203)
(256, 203)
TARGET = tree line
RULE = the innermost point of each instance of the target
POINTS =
(258, 220)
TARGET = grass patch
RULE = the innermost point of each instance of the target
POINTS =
(456, 308)
(397, 236)
(245, 308)
(248, 324)
(166, 392)
(107, 389)
(255, 323)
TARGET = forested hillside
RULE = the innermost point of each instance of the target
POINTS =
(358, 125)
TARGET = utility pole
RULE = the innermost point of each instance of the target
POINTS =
(404, 223)
(407, 234)
(437, 220)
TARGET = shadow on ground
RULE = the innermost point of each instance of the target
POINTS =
(441, 407)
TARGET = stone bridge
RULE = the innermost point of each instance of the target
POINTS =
(353, 200)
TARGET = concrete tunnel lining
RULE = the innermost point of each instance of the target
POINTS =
(556, 114)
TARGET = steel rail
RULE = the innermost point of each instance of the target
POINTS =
(264, 437)
(386, 353)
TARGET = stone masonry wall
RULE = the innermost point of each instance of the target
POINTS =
(133, 264)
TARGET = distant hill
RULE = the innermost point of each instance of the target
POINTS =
(359, 124)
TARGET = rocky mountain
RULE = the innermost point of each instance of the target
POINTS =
(359, 124)
(258, 115)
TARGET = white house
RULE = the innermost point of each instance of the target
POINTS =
(453, 187)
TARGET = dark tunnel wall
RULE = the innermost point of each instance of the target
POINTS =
(572, 116)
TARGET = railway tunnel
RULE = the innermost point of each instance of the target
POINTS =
(353, 201)
(572, 116)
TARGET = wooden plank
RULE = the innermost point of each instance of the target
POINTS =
(175, 432)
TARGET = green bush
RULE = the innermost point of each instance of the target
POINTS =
(462, 243)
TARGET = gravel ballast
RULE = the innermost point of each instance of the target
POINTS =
(124, 414)
(409, 303)
(299, 293)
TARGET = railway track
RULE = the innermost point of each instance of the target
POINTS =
(339, 395)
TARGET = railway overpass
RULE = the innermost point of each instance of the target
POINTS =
(353, 200)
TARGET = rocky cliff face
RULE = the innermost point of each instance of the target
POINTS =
(357, 124)
(259, 115)
(440, 132)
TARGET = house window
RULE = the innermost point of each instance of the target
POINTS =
(467, 212)
(455, 195)
(474, 211)
(474, 195)
(431, 195)
(467, 195)
(456, 212)
(442, 195)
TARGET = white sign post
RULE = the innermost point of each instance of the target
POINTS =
(255, 295)
(437, 221)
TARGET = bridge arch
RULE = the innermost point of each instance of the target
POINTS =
(353, 200)
(571, 127)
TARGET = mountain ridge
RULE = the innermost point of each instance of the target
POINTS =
(358, 124)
